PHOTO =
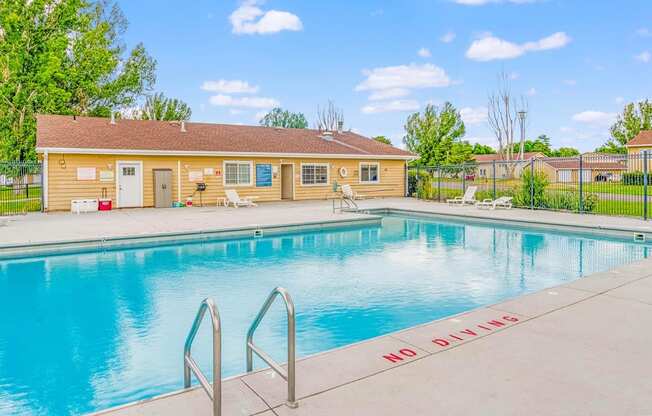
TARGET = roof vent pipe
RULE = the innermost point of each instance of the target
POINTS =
(183, 126)
(340, 126)
(112, 117)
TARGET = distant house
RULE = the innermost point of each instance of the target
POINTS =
(504, 169)
(636, 148)
(593, 169)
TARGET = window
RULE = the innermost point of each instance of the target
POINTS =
(128, 171)
(369, 173)
(314, 174)
(237, 173)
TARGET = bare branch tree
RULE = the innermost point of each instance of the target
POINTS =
(502, 114)
(329, 118)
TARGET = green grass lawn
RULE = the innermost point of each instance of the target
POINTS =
(18, 203)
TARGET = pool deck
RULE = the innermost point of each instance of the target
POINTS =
(582, 348)
(59, 227)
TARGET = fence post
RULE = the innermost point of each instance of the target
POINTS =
(438, 183)
(581, 173)
(531, 183)
(463, 180)
(645, 182)
(493, 173)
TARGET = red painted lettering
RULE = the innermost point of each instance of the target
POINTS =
(484, 327)
(456, 337)
(392, 357)
(468, 332)
(496, 323)
(441, 342)
(510, 318)
(407, 352)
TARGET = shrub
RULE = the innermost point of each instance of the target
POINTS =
(532, 190)
(633, 178)
(424, 187)
(413, 180)
(570, 201)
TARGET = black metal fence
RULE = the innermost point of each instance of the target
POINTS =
(591, 183)
(21, 185)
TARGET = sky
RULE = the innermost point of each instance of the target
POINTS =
(577, 62)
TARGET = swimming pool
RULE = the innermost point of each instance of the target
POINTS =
(88, 331)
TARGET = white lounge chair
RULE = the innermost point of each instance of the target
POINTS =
(348, 192)
(232, 198)
(467, 198)
(502, 202)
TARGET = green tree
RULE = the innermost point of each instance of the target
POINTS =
(565, 152)
(158, 107)
(63, 57)
(482, 149)
(278, 117)
(634, 118)
(382, 139)
(433, 134)
(541, 145)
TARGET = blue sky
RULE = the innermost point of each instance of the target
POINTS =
(578, 62)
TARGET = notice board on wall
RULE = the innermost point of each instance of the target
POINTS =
(264, 175)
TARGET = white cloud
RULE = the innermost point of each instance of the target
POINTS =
(249, 19)
(596, 118)
(644, 32)
(532, 92)
(448, 37)
(514, 75)
(486, 140)
(222, 100)
(644, 57)
(620, 100)
(229, 87)
(489, 47)
(259, 115)
(390, 93)
(411, 76)
(474, 115)
(570, 82)
(391, 106)
(424, 53)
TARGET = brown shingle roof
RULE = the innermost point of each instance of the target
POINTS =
(498, 157)
(643, 138)
(64, 132)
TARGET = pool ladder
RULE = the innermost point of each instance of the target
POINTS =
(214, 392)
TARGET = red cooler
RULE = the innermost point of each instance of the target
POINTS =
(104, 204)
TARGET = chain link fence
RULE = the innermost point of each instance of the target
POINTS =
(591, 183)
(21, 185)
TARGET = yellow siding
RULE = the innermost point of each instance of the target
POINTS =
(635, 162)
(63, 185)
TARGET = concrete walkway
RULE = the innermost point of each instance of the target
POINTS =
(40, 228)
(578, 349)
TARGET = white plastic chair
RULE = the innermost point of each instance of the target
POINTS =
(467, 198)
(232, 198)
(502, 202)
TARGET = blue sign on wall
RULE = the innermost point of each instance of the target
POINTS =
(264, 175)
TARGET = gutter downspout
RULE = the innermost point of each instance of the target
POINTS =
(179, 181)
(45, 179)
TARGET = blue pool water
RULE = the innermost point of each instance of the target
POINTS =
(84, 332)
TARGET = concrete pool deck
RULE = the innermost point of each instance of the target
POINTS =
(59, 227)
(578, 348)
(582, 348)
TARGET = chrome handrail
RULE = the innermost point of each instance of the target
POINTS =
(190, 366)
(290, 375)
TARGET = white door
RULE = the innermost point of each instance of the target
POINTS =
(563, 175)
(130, 186)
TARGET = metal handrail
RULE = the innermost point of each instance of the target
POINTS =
(190, 366)
(290, 375)
(350, 204)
